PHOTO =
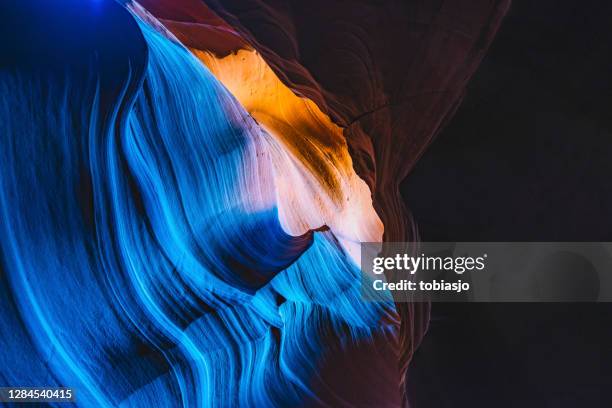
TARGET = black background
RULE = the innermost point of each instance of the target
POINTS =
(528, 157)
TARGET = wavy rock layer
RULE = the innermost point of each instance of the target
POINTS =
(149, 257)
(180, 226)
(389, 73)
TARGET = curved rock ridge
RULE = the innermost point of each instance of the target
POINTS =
(390, 74)
(163, 246)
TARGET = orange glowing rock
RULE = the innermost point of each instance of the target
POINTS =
(315, 181)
